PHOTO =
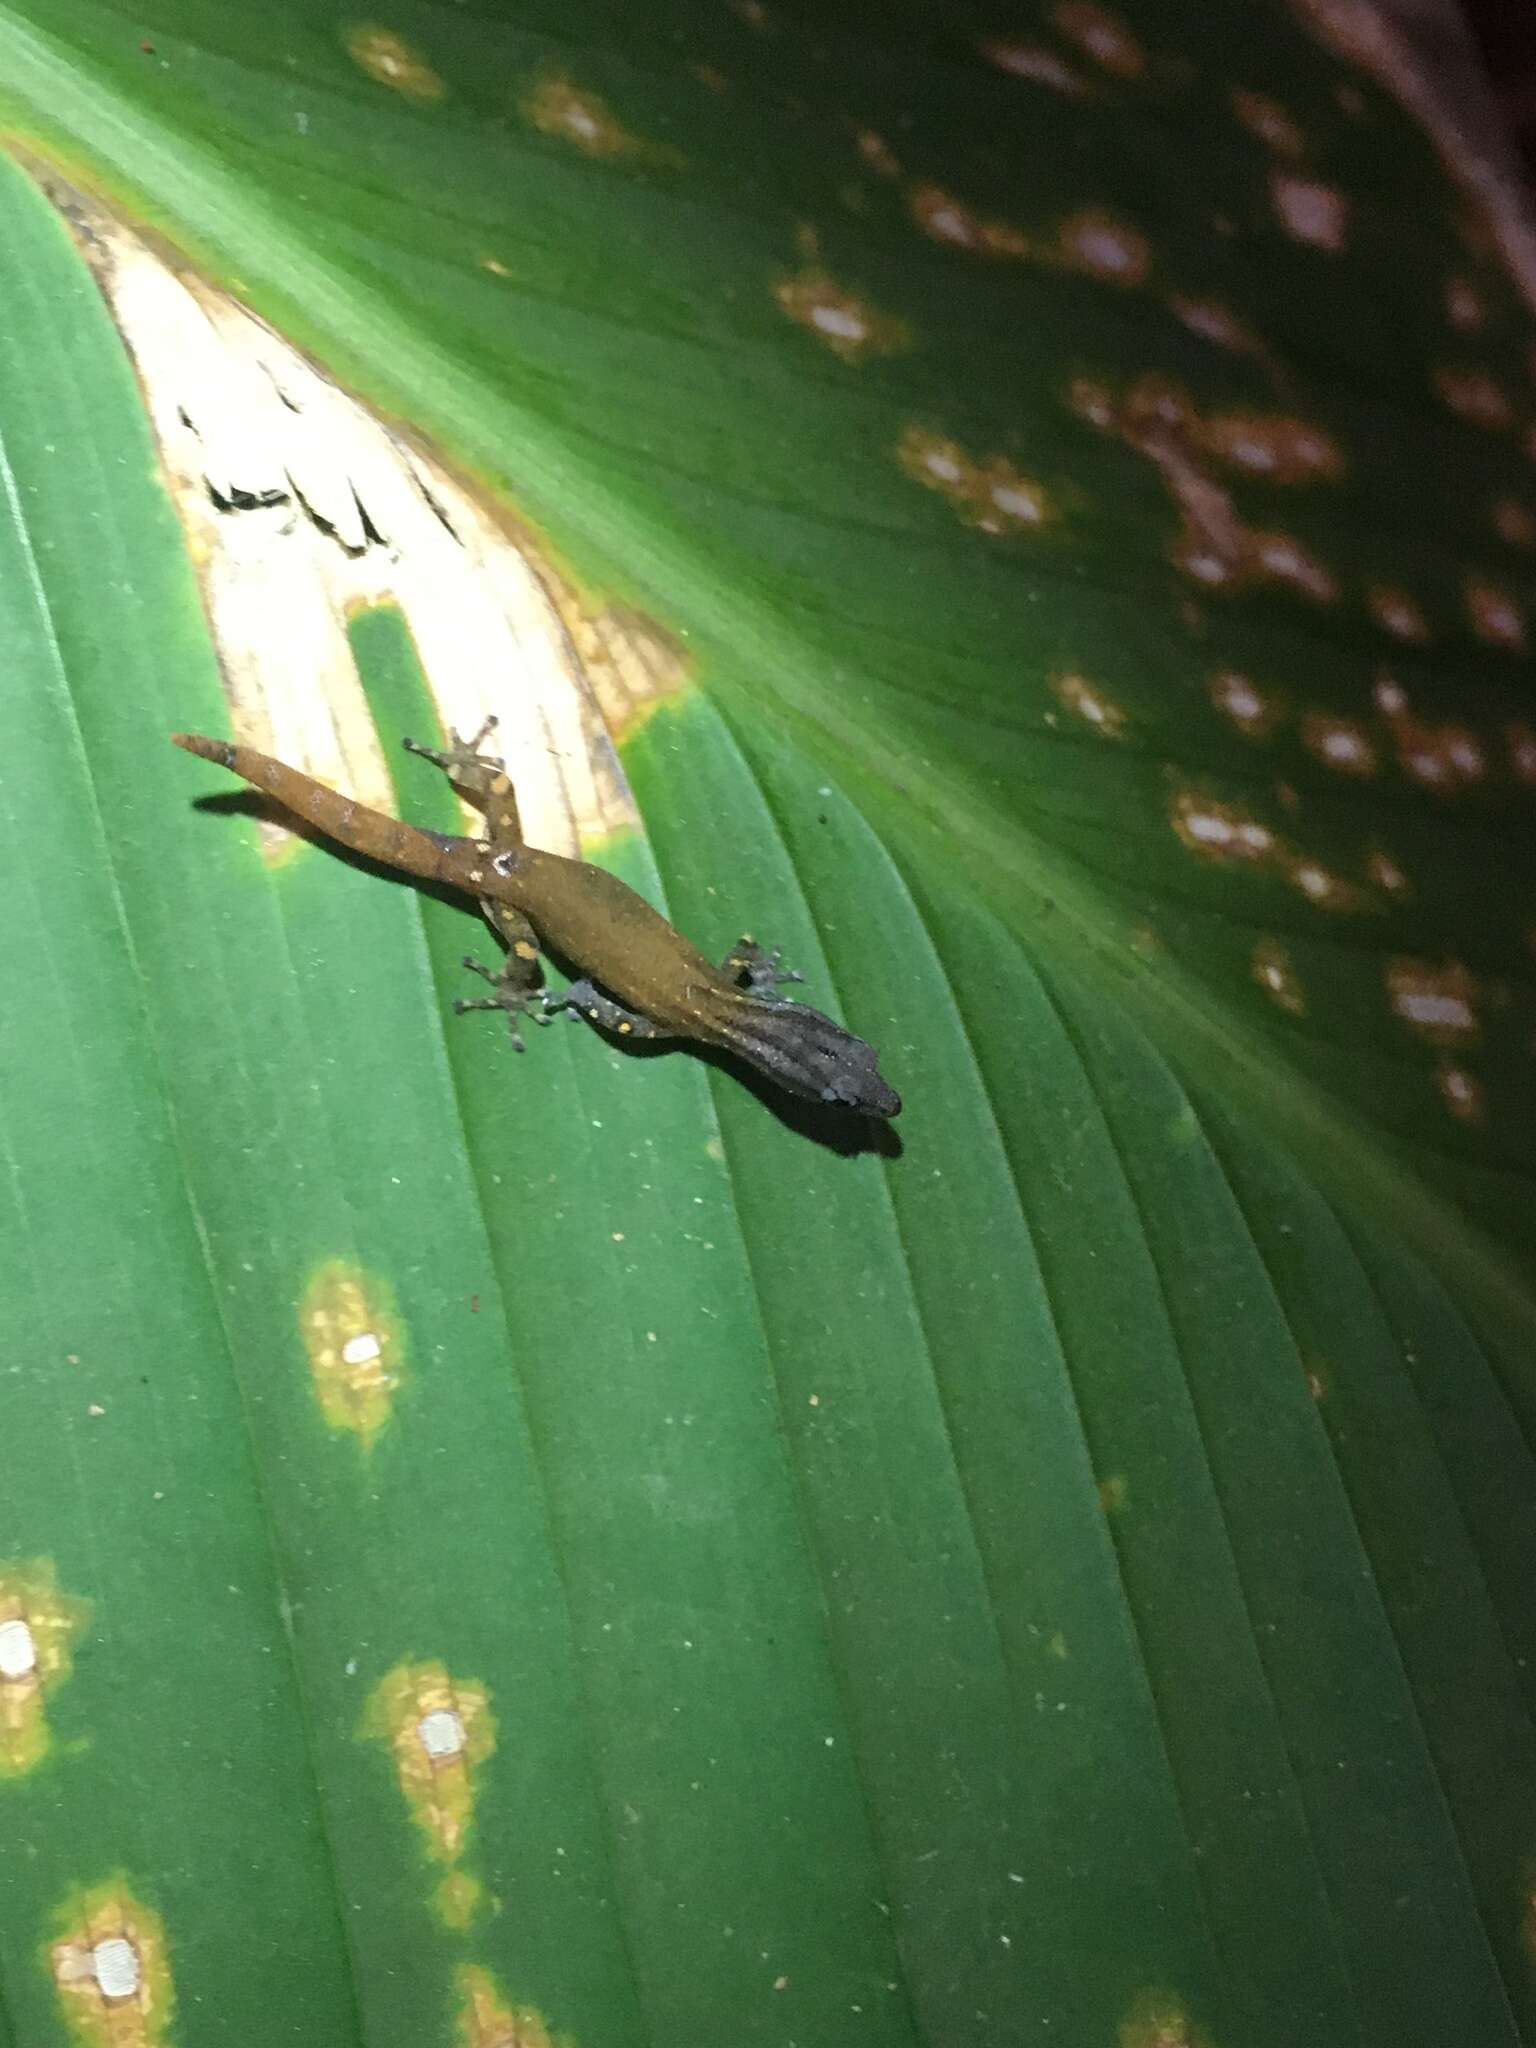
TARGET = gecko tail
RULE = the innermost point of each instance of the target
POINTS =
(433, 855)
(211, 750)
(809, 1055)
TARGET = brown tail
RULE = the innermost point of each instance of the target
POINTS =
(432, 855)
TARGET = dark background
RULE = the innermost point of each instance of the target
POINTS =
(1505, 31)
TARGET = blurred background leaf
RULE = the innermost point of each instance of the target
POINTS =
(538, 1550)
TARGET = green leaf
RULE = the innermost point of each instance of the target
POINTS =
(565, 1548)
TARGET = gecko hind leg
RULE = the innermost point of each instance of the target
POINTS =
(583, 999)
(513, 993)
(751, 968)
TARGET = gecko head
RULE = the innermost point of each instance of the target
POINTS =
(811, 1056)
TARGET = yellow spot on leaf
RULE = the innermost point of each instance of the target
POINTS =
(1159, 2019)
(1385, 872)
(1008, 499)
(1221, 831)
(1437, 1002)
(569, 113)
(392, 61)
(355, 1346)
(1339, 743)
(495, 266)
(947, 219)
(1092, 401)
(38, 1624)
(1320, 885)
(851, 326)
(1113, 1493)
(107, 1958)
(1229, 835)
(1091, 704)
(1274, 973)
(487, 2020)
(457, 1899)
(878, 154)
(986, 492)
(1461, 1092)
(1254, 711)
(439, 1731)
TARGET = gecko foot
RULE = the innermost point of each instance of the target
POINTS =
(460, 755)
(511, 996)
(756, 970)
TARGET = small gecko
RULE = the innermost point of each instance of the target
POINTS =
(640, 978)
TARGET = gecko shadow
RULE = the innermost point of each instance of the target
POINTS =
(250, 803)
(843, 1131)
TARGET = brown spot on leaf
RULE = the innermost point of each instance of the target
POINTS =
(851, 326)
(1101, 35)
(390, 60)
(1475, 396)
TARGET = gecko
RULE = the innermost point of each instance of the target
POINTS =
(639, 978)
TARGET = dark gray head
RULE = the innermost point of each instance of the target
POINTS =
(811, 1056)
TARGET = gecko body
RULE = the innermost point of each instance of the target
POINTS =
(640, 978)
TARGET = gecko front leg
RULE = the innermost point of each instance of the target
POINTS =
(516, 989)
(516, 984)
(483, 779)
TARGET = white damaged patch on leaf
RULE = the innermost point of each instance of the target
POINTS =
(302, 509)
